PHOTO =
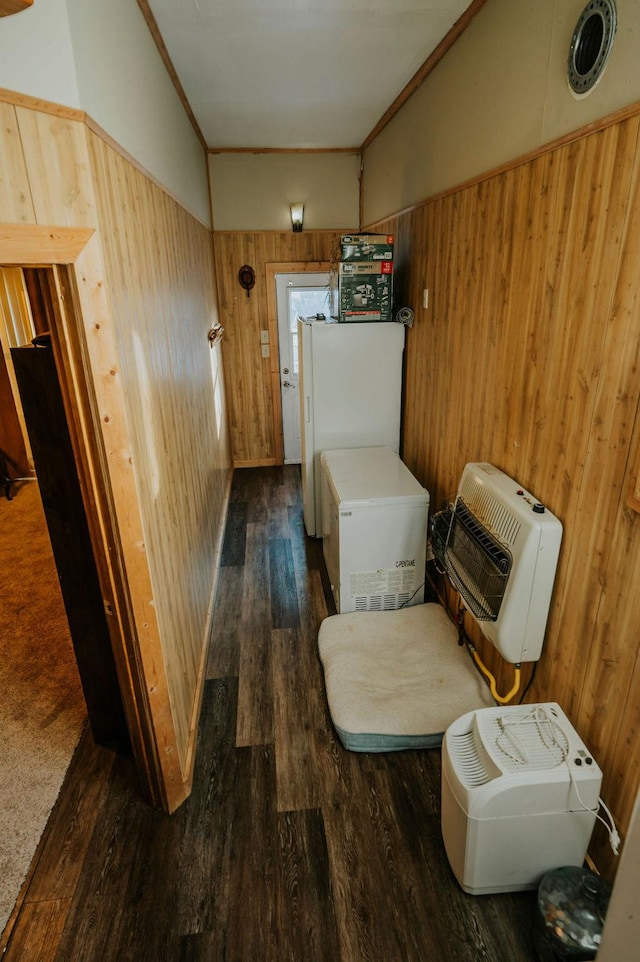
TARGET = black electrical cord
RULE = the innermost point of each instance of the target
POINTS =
(529, 683)
(409, 600)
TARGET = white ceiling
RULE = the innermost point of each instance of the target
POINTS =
(297, 73)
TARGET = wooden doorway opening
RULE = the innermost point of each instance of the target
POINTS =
(70, 257)
(49, 439)
(272, 270)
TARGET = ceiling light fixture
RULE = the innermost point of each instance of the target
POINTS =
(297, 214)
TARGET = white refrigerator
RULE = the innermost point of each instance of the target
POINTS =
(350, 396)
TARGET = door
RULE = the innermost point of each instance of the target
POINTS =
(297, 295)
(70, 540)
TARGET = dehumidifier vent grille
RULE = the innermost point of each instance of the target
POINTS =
(524, 739)
(466, 760)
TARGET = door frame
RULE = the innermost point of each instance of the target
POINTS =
(271, 269)
(78, 292)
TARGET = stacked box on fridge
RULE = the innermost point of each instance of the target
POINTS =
(365, 278)
(366, 247)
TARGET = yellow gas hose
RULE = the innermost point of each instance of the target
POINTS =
(501, 699)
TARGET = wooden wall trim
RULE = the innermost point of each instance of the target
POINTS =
(276, 233)
(283, 150)
(31, 245)
(16, 99)
(257, 463)
(36, 103)
(596, 126)
(423, 72)
(100, 132)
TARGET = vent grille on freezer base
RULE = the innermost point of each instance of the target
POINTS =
(381, 602)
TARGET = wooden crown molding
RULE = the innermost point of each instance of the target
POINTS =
(284, 150)
(154, 30)
(17, 99)
(423, 72)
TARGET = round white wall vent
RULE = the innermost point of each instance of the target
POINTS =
(591, 44)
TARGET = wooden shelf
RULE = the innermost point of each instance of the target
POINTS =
(8, 7)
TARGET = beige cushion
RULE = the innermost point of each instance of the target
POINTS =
(397, 679)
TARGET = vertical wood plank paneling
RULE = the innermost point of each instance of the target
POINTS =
(16, 205)
(528, 357)
(612, 675)
(249, 376)
(161, 322)
(57, 162)
(594, 241)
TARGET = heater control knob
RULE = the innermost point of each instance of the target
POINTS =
(538, 508)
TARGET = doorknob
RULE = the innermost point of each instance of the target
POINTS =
(287, 384)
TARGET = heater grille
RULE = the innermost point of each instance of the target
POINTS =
(477, 563)
(499, 547)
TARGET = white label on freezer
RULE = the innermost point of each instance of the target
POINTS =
(382, 581)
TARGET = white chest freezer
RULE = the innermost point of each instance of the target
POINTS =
(374, 529)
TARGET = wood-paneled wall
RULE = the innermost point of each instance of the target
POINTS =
(144, 285)
(528, 357)
(250, 380)
(162, 292)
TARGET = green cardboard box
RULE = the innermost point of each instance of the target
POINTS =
(366, 247)
(365, 291)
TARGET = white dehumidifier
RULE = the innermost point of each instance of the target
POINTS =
(520, 794)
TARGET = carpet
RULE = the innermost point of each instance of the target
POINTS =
(42, 709)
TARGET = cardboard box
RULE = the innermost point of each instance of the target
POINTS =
(366, 247)
(365, 291)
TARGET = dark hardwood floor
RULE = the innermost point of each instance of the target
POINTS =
(290, 849)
